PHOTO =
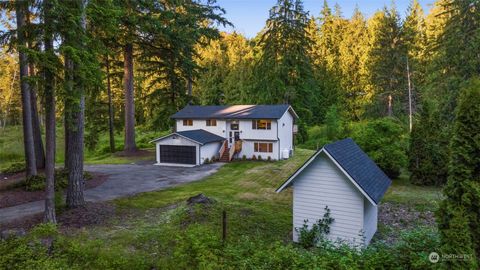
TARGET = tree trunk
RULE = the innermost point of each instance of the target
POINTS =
(31, 168)
(75, 118)
(389, 105)
(49, 213)
(110, 108)
(130, 145)
(37, 133)
(75, 140)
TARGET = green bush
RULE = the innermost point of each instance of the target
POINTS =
(316, 235)
(35, 183)
(15, 168)
(384, 140)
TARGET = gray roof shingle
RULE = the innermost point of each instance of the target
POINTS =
(360, 167)
(348, 155)
(200, 135)
(233, 112)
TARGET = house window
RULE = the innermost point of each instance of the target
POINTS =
(211, 122)
(261, 124)
(263, 147)
(188, 122)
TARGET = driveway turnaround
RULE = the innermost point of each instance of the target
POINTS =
(123, 180)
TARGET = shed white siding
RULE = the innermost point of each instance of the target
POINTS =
(209, 151)
(370, 220)
(322, 184)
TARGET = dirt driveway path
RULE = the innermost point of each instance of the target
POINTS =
(123, 180)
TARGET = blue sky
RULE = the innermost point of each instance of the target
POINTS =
(249, 16)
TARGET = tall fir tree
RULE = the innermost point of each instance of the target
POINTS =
(284, 68)
(387, 62)
(353, 51)
(458, 216)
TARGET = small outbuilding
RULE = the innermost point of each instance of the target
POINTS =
(342, 177)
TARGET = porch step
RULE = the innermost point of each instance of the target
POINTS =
(224, 157)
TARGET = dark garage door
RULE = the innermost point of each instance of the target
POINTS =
(178, 154)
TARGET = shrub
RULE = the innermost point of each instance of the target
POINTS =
(35, 183)
(269, 158)
(206, 161)
(384, 140)
(254, 157)
(316, 235)
(244, 157)
(15, 168)
(260, 157)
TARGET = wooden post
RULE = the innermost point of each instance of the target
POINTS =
(224, 225)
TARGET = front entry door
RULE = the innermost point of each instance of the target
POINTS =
(233, 134)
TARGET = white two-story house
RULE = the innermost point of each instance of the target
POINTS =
(226, 132)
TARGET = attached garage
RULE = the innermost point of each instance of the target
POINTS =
(187, 148)
(178, 154)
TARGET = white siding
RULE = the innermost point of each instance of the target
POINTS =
(370, 220)
(323, 184)
(171, 141)
(209, 151)
(219, 129)
(247, 133)
(248, 150)
(285, 132)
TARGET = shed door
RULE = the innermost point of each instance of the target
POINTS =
(178, 154)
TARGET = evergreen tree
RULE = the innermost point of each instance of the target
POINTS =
(387, 62)
(284, 69)
(353, 53)
(458, 216)
(21, 8)
(428, 156)
(415, 40)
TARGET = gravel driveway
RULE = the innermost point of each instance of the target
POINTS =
(123, 180)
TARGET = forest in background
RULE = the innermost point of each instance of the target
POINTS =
(338, 73)
(392, 82)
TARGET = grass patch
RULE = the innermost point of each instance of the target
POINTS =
(12, 151)
(419, 197)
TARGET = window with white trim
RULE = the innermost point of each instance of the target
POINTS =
(261, 124)
(188, 122)
(211, 122)
(261, 147)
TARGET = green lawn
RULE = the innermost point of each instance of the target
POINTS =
(157, 229)
(11, 147)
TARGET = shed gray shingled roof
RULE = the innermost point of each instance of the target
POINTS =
(347, 154)
(233, 112)
(360, 167)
